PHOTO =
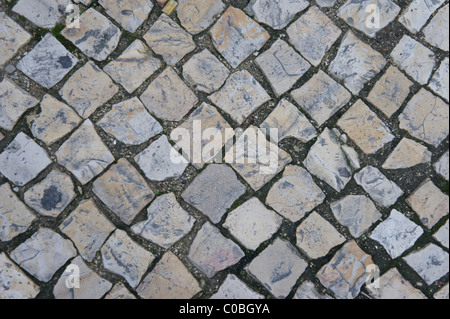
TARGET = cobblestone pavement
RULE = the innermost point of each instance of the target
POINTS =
(88, 184)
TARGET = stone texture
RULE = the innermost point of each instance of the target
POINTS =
(440, 81)
(123, 190)
(87, 89)
(240, 96)
(295, 194)
(431, 263)
(397, 234)
(92, 286)
(129, 14)
(51, 196)
(135, 65)
(93, 34)
(168, 97)
(122, 256)
(290, 122)
(356, 63)
(439, 22)
(356, 212)
(43, 13)
(130, 123)
(14, 101)
(167, 222)
(390, 91)
(282, 66)
(23, 160)
(55, 121)
(408, 153)
(252, 223)
(392, 285)
(418, 13)
(211, 198)
(316, 236)
(347, 272)
(211, 252)
(236, 36)
(87, 228)
(197, 15)
(382, 190)
(326, 3)
(84, 154)
(429, 203)
(15, 217)
(278, 268)
(414, 58)
(169, 40)
(234, 288)
(205, 72)
(442, 294)
(441, 166)
(169, 280)
(43, 254)
(120, 292)
(14, 284)
(313, 34)
(442, 235)
(307, 291)
(321, 97)
(12, 38)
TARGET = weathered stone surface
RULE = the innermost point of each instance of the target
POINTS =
(440, 81)
(87, 89)
(392, 285)
(168, 97)
(431, 263)
(129, 14)
(357, 13)
(278, 268)
(397, 234)
(390, 91)
(205, 72)
(43, 254)
(122, 256)
(169, 280)
(197, 15)
(408, 153)
(93, 34)
(442, 167)
(51, 196)
(316, 236)
(92, 286)
(14, 101)
(87, 228)
(365, 128)
(12, 38)
(439, 22)
(347, 272)
(260, 162)
(167, 222)
(120, 292)
(169, 40)
(14, 284)
(130, 123)
(379, 187)
(55, 121)
(414, 58)
(234, 288)
(43, 13)
(290, 122)
(211, 252)
(295, 194)
(252, 223)
(326, 3)
(356, 212)
(123, 190)
(327, 160)
(84, 154)
(15, 217)
(307, 290)
(211, 198)
(23, 160)
(418, 13)
(429, 203)
(443, 293)
(240, 96)
(321, 97)
(2, 136)
(282, 66)
(356, 63)
(236, 36)
(135, 65)
(276, 14)
(313, 34)
(443, 235)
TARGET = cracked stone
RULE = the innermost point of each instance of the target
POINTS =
(440, 81)
(14, 284)
(431, 263)
(197, 15)
(443, 293)
(439, 22)
(307, 291)
(442, 166)
(392, 285)
(233, 288)
(442, 235)
(417, 14)
(129, 14)
(120, 292)
(43, 13)
(12, 38)
(408, 153)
